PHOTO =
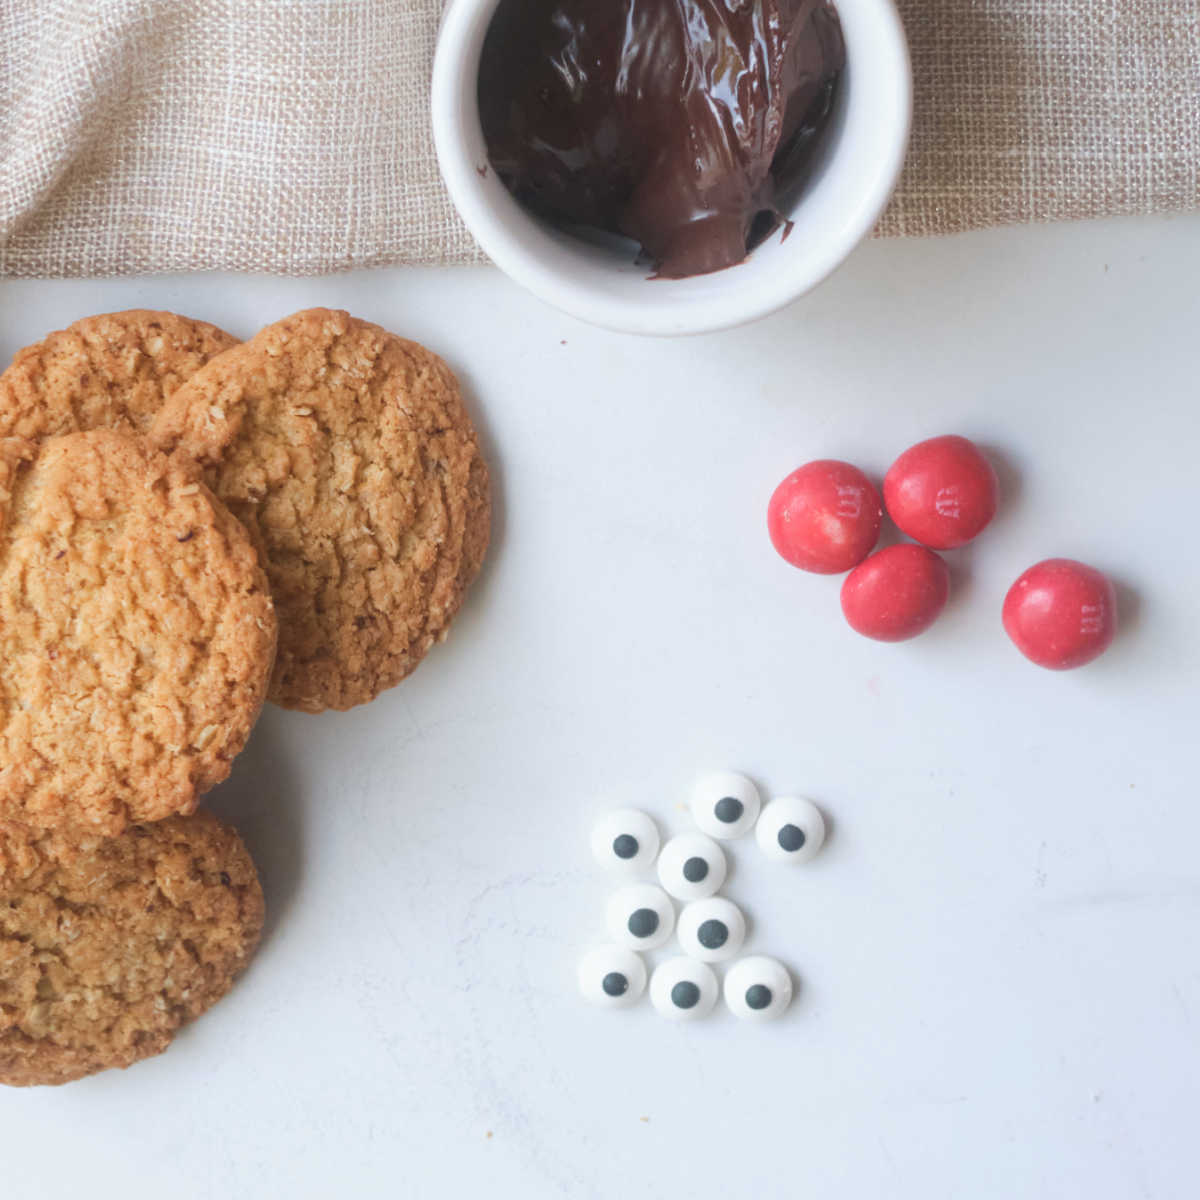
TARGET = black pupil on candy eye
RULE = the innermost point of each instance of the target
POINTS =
(712, 934)
(758, 996)
(625, 845)
(791, 838)
(685, 994)
(729, 809)
(643, 922)
(695, 869)
(615, 984)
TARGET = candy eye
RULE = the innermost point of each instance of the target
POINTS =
(625, 840)
(790, 829)
(758, 988)
(711, 930)
(612, 976)
(683, 989)
(691, 867)
(640, 916)
(725, 804)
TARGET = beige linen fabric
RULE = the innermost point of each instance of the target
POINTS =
(292, 136)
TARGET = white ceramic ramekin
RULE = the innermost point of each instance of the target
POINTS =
(858, 164)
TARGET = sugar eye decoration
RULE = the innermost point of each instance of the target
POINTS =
(790, 829)
(711, 930)
(684, 989)
(640, 916)
(625, 840)
(725, 804)
(611, 976)
(758, 988)
(692, 867)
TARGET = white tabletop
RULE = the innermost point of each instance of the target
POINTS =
(998, 949)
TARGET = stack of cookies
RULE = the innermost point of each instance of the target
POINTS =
(190, 526)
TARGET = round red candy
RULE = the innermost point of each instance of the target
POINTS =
(942, 492)
(896, 593)
(1061, 614)
(825, 517)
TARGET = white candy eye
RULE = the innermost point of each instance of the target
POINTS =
(691, 867)
(625, 840)
(725, 804)
(711, 930)
(758, 988)
(791, 829)
(683, 989)
(640, 916)
(612, 976)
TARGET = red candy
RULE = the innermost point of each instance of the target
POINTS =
(896, 593)
(942, 492)
(825, 517)
(1061, 614)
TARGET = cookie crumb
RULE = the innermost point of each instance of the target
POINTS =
(205, 736)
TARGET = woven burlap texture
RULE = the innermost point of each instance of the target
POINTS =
(292, 136)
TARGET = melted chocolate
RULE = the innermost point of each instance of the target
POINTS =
(683, 124)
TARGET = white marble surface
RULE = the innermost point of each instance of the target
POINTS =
(998, 949)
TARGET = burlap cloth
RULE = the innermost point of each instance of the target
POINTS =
(292, 136)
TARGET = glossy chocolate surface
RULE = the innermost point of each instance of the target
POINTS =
(682, 124)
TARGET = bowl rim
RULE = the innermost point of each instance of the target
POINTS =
(562, 277)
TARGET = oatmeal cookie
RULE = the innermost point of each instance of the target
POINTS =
(136, 633)
(107, 372)
(348, 454)
(109, 945)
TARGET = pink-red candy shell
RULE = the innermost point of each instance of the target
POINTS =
(825, 517)
(942, 492)
(896, 594)
(1061, 614)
